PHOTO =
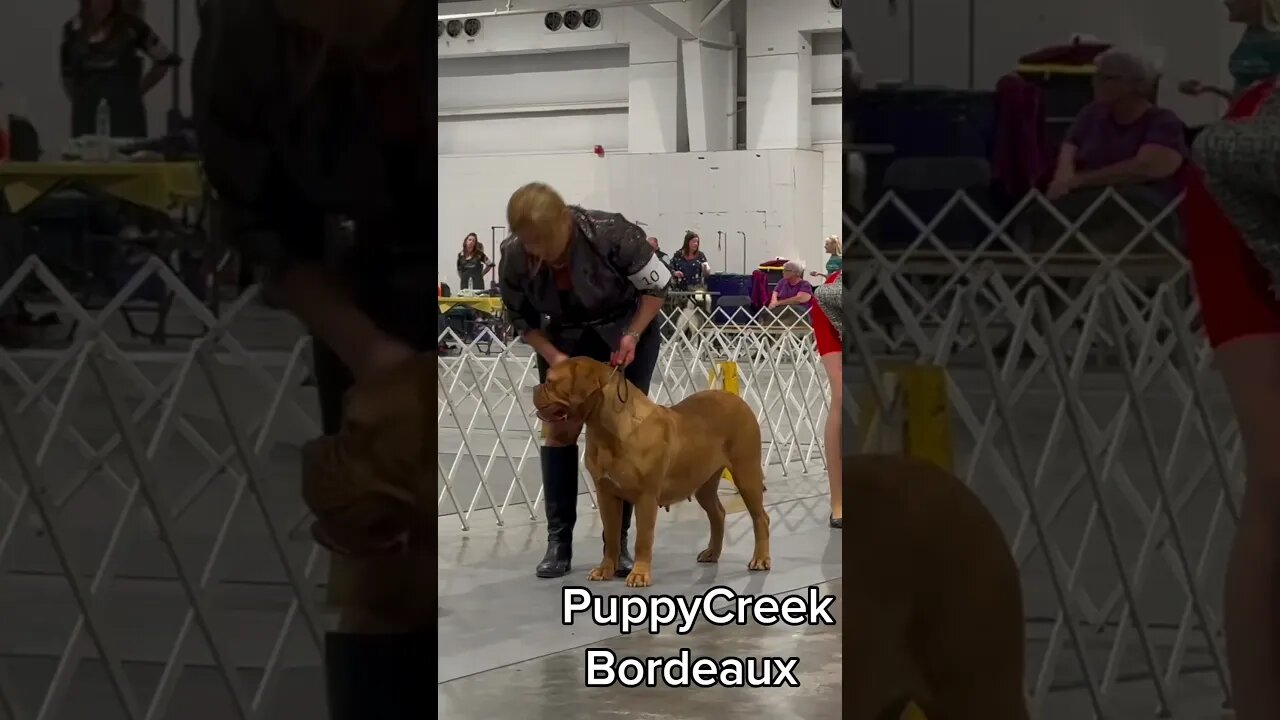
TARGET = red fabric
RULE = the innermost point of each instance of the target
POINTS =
(759, 289)
(826, 334)
(1021, 157)
(1233, 287)
(1075, 54)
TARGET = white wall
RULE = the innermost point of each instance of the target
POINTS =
(1194, 40)
(30, 31)
(774, 196)
(669, 98)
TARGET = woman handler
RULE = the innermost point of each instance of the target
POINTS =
(308, 111)
(596, 281)
(1231, 224)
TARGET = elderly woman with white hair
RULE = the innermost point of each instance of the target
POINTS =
(1122, 138)
(792, 290)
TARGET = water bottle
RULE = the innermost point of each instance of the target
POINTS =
(102, 121)
(102, 132)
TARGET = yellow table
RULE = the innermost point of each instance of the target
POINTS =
(485, 304)
(158, 186)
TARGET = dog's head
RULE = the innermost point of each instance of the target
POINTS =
(573, 390)
(366, 485)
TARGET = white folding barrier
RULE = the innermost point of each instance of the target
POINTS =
(1085, 412)
(136, 481)
(1087, 418)
(489, 437)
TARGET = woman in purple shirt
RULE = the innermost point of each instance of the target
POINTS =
(792, 289)
(1122, 138)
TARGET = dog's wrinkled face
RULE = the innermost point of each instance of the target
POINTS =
(572, 390)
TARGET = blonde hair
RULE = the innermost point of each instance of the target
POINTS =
(536, 212)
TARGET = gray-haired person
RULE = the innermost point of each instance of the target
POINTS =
(1122, 138)
(792, 290)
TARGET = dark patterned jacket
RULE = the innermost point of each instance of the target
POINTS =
(612, 266)
(283, 155)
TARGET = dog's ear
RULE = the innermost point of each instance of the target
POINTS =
(356, 512)
(594, 377)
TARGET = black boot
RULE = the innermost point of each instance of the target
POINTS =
(625, 561)
(560, 495)
(376, 677)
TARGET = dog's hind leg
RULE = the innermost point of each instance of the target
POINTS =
(749, 478)
(708, 497)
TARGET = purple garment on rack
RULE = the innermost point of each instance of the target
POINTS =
(759, 289)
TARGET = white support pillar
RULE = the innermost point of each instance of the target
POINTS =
(779, 92)
(695, 90)
(779, 74)
(653, 116)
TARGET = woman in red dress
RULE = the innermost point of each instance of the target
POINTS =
(829, 347)
(1228, 218)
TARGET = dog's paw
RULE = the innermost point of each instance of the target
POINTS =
(639, 578)
(709, 556)
(603, 572)
(760, 563)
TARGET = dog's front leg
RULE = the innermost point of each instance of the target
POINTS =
(611, 519)
(646, 518)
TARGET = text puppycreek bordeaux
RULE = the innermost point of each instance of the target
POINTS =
(719, 606)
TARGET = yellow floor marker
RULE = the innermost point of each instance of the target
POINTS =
(725, 376)
(917, 397)
(913, 712)
(927, 431)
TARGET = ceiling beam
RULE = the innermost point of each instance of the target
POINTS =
(682, 30)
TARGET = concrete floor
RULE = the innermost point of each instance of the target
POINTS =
(501, 633)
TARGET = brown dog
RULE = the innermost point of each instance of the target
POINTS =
(654, 456)
(935, 605)
(368, 488)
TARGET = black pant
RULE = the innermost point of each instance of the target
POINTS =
(586, 343)
(377, 677)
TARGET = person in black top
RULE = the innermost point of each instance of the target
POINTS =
(657, 250)
(100, 60)
(594, 278)
(308, 112)
(690, 266)
(472, 264)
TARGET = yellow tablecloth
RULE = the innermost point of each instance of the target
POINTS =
(155, 185)
(491, 305)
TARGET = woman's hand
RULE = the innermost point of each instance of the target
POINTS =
(1060, 187)
(382, 356)
(1192, 87)
(557, 358)
(626, 352)
(679, 275)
